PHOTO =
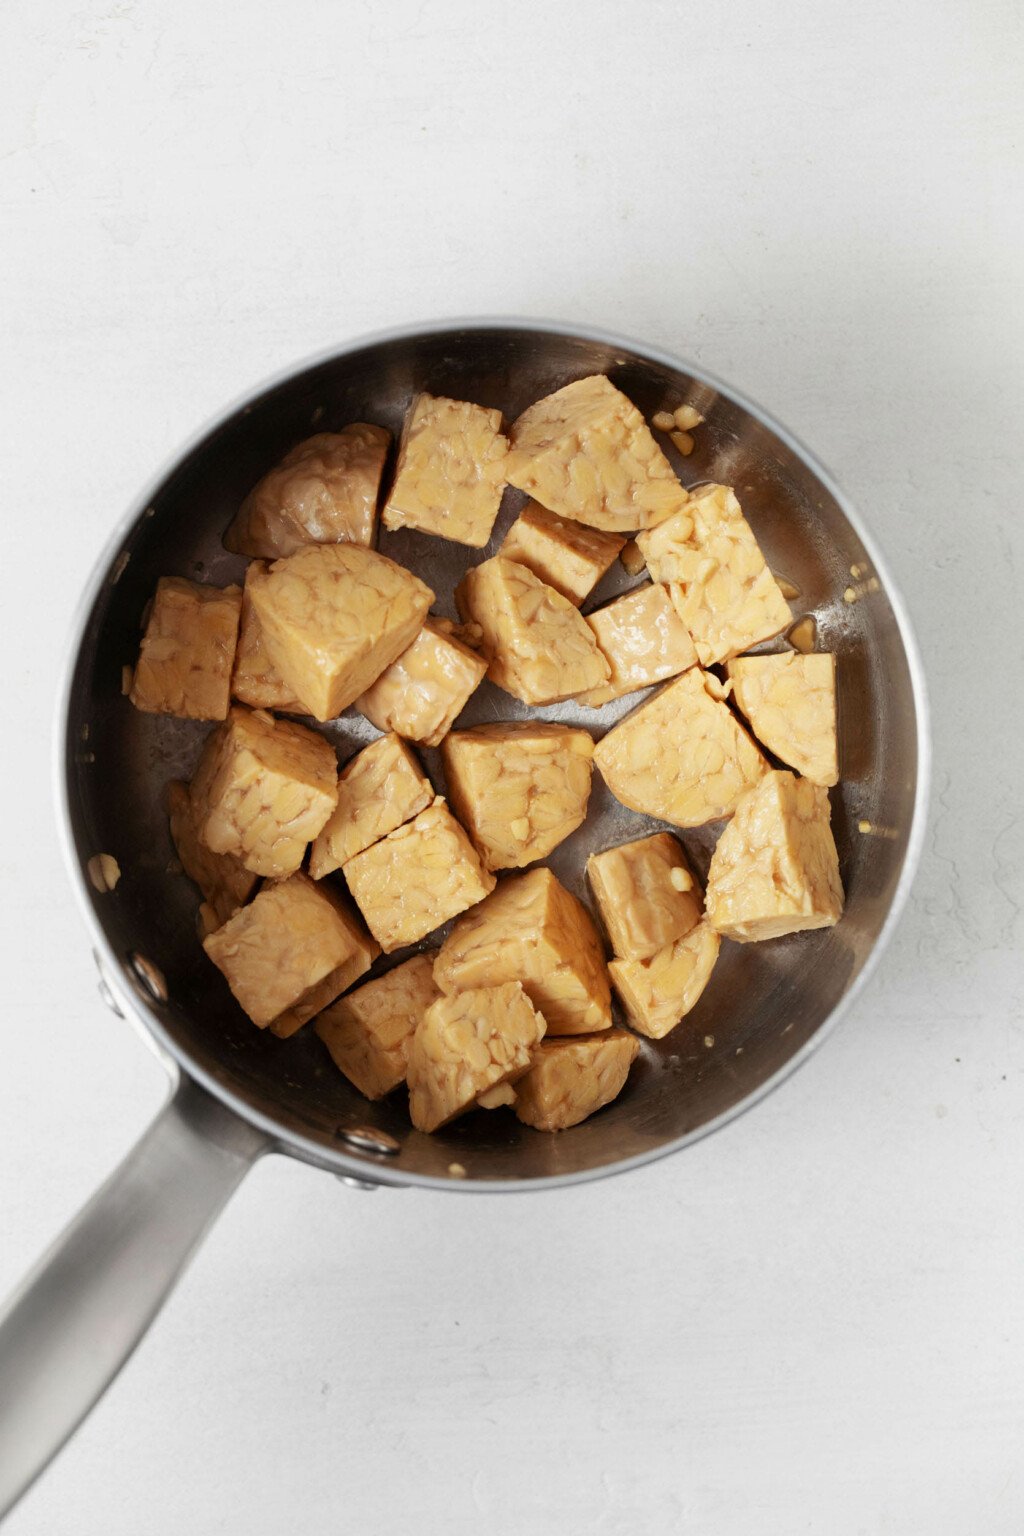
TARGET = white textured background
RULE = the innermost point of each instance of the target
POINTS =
(813, 1322)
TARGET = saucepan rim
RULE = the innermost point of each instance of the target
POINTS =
(370, 1168)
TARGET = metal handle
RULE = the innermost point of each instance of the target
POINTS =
(66, 1333)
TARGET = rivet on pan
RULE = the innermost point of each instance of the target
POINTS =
(149, 976)
(104, 989)
(365, 1184)
(366, 1139)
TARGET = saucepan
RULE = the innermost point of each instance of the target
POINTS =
(237, 1092)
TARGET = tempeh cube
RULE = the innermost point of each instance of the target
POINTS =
(566, 555)
(790, 701)
(646, 894)
(416, 878)
(188, 649)
(225, 882)
(378, 789)
(333, 617)
(290, 952)
(421, 694)
(465, 1046)
(682, 755)
(263, 790)
(519, 788)
(533, 930)
(587, 453)
(571, 1079)
(659, 992)
(451, 470)
(255, 680)
(539, 648)
(643, 640)
(719, 580)
(324, 491)
(368, 1032)
(775, 869)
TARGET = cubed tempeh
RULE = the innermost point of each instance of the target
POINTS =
(378, 789)
(255, 680)
(451, 470)
(290, 952)
(682, 755)
(571, 1079)
(539, 648)
(646, 894)
(333, 617)
(421, 694)
(467, 1044)
(790, 701)
(416, 878)
(644, 641)
(658, 993)
(531, 929)
(263, 790)
(324, 491)
(519, 788)
(586, 453)
(188, 650)
(775, 869)
(719, 580)
(225, 882)
(368, 1032)
(566, 555)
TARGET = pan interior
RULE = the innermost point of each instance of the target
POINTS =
(764, 1002)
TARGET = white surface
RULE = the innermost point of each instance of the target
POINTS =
(812, 1322)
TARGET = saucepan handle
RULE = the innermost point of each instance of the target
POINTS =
(66, 1333)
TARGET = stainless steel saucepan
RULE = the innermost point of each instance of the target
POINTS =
(237, 1092)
